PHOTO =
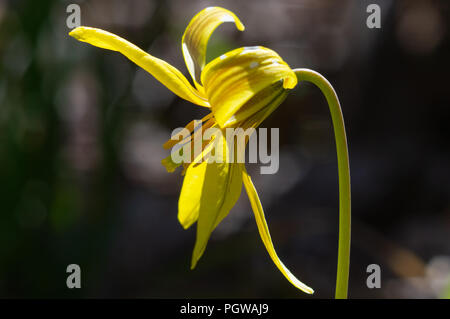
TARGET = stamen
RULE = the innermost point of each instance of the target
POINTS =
(190, 126)
(196, 155)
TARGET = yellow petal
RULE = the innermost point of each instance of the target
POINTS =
(208, 193)
(265, 235)
(196, 36)
(235, 77)
(168, 75)
(191, 191)
(253, 112)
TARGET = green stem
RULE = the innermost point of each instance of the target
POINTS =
(343, 263)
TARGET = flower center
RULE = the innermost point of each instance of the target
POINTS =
(243, 82)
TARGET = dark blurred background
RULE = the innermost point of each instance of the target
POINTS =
(81, 134)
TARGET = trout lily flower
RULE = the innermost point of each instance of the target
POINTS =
(240, 88)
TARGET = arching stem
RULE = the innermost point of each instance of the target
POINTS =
(343, 263)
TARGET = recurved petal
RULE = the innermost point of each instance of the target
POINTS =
(234, 78)
(208, 193)
(196, 36)
(168, 75)
(265, 235)
(253, 112)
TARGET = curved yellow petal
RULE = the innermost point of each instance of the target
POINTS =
(237, 76)
(196, 36)
(253, 112)
(265, 235)
(208, 193)
(168, 75)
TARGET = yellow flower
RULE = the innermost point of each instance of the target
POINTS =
(241, 88)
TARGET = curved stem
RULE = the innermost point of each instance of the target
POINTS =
(343, 264)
